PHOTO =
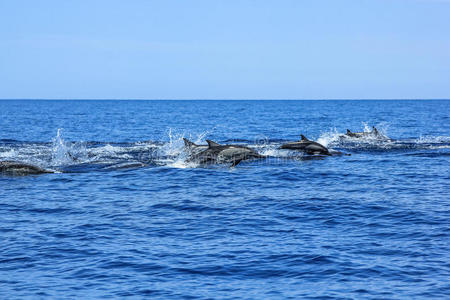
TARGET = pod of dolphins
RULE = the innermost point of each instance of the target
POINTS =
(212, 153)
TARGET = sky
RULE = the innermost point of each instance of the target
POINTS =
(225, 49)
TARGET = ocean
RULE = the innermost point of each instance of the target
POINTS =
(126, 216)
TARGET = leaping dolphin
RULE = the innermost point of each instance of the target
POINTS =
(219, 154)
(18, 168)
(307, 146)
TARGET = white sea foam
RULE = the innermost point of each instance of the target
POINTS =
(432, 139)
(173, 153)
(329, 138)
(11, 153)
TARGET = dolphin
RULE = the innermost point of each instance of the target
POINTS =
(373, 133)
(18, 168)
(216, 153)
(192, 147)
(307, 146)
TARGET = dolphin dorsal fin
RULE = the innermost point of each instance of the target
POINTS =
(188, 143)
(212, 144)
(303, 138)
(348, 131)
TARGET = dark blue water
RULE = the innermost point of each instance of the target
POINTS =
(126, 215)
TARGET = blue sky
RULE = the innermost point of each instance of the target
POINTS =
(143, 49)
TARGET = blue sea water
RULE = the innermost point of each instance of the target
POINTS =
(127, 216)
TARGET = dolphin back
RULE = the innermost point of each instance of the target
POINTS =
(19, 168)
(307, 146)
(188, 143)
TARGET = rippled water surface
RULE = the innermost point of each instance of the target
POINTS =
(126, 215)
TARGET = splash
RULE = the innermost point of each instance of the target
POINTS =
(271, 150)
(11, 153)
(182, 164)
(433, 140)
(366, 127)
(382, 129)
(111, 151)
(59, 149)
(174, 147)
(371, 140)
(64, 153)
(173, 154)
(329, 138)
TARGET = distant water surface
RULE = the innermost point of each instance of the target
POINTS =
(126, 216)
